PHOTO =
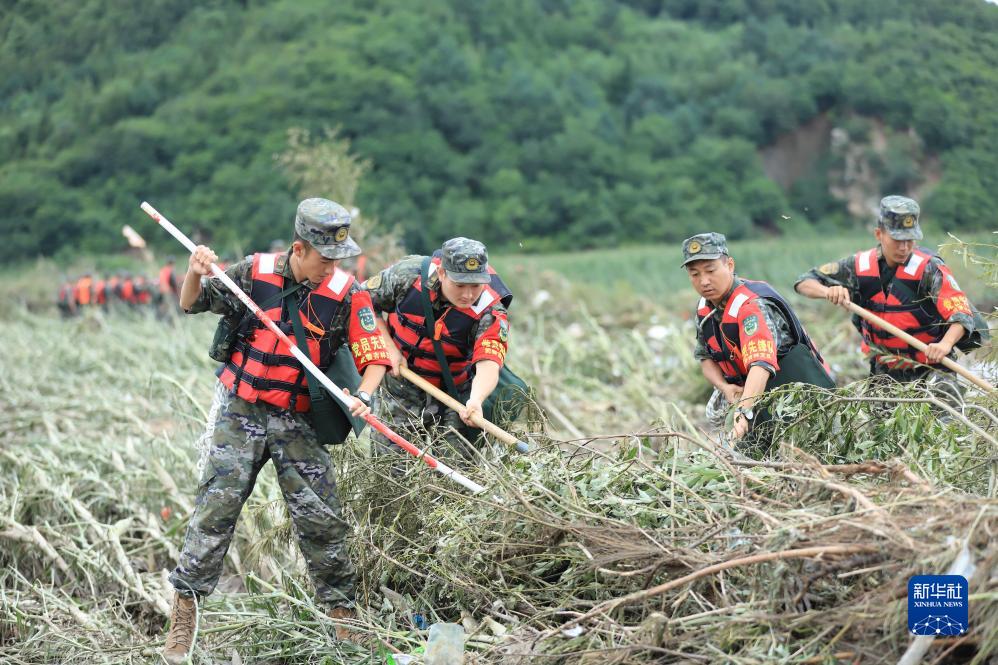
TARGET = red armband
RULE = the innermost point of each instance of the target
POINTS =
(366, 343)
(493, 344)
(755, 337)
(951, 299)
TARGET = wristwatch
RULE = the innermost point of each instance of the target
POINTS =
(748, 414)
(364, 397)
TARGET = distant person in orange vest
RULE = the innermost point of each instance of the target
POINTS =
(360, 271)
(100, 292)
(128, 289)
(908, 286)
(66, 300)
(83, 291)
(143, 290)
(168, 280)
(113, 289)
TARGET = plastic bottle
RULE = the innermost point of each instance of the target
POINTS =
(445, 645)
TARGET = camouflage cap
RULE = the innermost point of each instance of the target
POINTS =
(466, 261)
(325, 225)
(704, 247)
(899, 217)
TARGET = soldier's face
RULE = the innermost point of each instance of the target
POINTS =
(897, 252)
(461, 296)
(311, 265)
(712, 278)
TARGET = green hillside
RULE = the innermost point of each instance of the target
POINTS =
(546, 123)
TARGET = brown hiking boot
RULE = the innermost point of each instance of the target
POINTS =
(178, 640)
(344, 615)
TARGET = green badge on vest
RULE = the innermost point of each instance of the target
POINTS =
(366, 318)
(750, 325)
(503, 330)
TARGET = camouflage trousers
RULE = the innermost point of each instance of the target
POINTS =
(242, 437)
(423, 420)
(717, 409)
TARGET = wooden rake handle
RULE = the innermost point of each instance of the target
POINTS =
(917, 344)
(437, 393)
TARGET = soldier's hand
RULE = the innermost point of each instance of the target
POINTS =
(357, 409)
(201, 259)
(936, 351)
(732, 393)
(396, 358)
(741, 427)
(472, 410)
(837, 295)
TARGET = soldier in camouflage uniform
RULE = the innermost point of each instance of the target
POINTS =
(749, 339)
(468, 303)
(258, 415)
(910, 287)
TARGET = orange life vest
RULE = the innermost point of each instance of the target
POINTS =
(261, 366)
(453, 329)
(723, 340)
(82, 290)
(901, 305)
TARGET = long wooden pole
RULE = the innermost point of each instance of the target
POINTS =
(917, 344)
(447, 400)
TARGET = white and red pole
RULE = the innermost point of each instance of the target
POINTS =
(307, 363)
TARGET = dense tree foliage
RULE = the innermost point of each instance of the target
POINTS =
(554, 123)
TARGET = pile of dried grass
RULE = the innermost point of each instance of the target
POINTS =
(633, 555)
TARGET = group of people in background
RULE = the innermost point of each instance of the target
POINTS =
(122, 290)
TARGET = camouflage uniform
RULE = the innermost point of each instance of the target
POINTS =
(766, 334)
(401, 403)
(773, 320)
(243, 436)
(899, 218)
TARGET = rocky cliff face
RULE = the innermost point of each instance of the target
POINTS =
(861, 158)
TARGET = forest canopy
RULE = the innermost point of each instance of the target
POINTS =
(546, 123)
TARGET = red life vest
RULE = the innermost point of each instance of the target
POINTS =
(128, 290)
(901, 305)
(142, 294)
(724, 341)
(166, 283)
(261, 366)
(100, 292)
(453, 329)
